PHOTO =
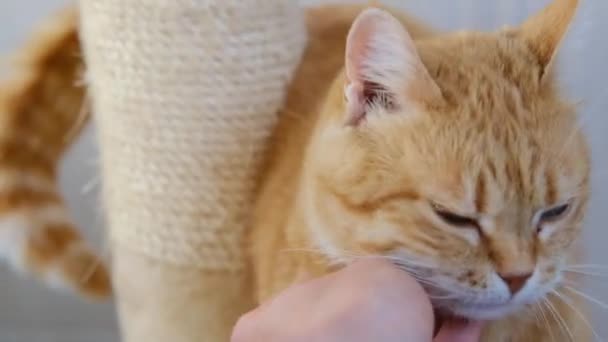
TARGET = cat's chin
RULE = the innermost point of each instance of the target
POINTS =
(486, 312)
(480, 311)
(491, 310)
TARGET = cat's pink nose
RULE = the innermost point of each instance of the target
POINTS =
(515, 281)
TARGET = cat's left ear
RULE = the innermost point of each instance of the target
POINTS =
(545, 31)
(383, 67)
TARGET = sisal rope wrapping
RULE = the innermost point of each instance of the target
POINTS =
(185, 94)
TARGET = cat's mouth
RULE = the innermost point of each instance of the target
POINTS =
(447, 305)
(478, 311)
(441, 318)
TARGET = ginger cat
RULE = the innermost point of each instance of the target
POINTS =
(454, 155)
(40, 109)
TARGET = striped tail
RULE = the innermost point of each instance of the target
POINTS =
(40, 114)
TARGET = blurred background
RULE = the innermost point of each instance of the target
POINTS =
(30, 313)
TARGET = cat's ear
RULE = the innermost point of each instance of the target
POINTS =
(545, 31)
(383, 67)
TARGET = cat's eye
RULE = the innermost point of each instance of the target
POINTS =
(554, 213)
(454, 219)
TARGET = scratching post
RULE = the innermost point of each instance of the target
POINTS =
(185, 93)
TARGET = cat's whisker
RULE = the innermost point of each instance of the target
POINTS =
(444, 293)
(413, 270)
(293, 114)
(586, 296)
(90, 271)
(81, 118)
(536, 316)
(301, 250)
(412, 264)
(90, 185)
(569, 303)
(588, 266)
(347, 257)
(590, 274)
(426, 281)
(423, 281)
(439, 297)
(570, 138)
(420, 264)
(541, 307)
(561, 322)
(320, 252)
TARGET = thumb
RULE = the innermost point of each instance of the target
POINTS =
(459, 331)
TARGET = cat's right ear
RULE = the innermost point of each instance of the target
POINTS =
(383, 67)
(545, 31)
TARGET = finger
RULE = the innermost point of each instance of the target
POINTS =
(245, 327)
(459, 331)
(302, 286)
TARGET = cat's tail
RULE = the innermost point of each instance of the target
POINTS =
(41, 111)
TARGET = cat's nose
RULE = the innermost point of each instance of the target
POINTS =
(515, 281)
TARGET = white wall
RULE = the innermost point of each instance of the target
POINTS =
(33, 314)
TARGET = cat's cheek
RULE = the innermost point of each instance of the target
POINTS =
(380, 236)
(546, 231)
(557, 241)
(471, 236)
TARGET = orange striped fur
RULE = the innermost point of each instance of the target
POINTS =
(41, 112)
(470, 121)
(376, 152)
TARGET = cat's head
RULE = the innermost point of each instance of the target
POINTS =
(454, 156)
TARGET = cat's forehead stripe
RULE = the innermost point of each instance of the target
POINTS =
(551, 195)
(481, 193)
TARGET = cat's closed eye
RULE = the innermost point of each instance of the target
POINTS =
(454, 219)
(553, 214)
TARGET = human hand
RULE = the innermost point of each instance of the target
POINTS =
(368, 301)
